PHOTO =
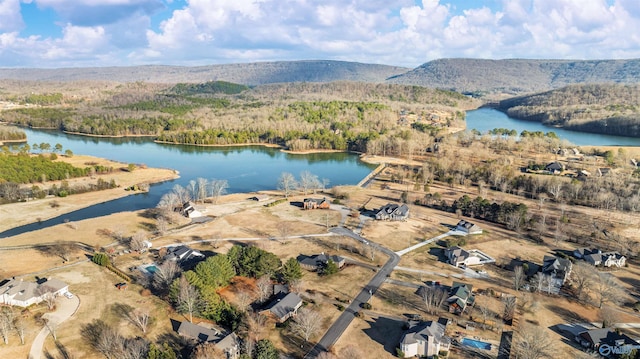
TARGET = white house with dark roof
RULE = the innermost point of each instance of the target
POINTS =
(424, 339)
(23, 293)
(607, 259)
(182, 254)
(558, 269)
(468, 227)
(458, 256)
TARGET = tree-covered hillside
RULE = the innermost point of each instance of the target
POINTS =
(609, 109)
(517, 76)
(300, 116)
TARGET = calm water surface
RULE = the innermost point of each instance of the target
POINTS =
(486, 119)
(247, 168)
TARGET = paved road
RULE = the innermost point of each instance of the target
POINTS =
(424, 243)
(340, 325)
(65, 308)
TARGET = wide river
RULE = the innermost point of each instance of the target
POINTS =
(250, 168)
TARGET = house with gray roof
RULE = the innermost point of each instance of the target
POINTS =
(24, 293)
(183, 255)
(424, 339)
(393, 212)
(284, 306)
(319, 261)
(468, 227)
(607, 259)
(554, 167)
(228, 343)
(580, 253)
(315, 203)
(558, 268)
(459, 257)
(604, 340)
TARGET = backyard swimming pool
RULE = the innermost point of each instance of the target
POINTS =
(476, 344)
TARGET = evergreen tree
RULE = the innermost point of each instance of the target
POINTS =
(291, 270)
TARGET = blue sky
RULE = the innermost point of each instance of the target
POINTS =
(80, 33)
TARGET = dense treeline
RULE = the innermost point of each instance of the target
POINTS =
(9, 134)
(24, 168)
(301, 116)
(211, 87)
(610, 109)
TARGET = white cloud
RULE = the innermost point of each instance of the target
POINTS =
(10, 17)
(400, 32)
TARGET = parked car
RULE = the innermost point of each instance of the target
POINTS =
(68, 295)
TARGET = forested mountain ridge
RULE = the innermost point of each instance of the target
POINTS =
(517, 76)
(256, 73)
(599, 108)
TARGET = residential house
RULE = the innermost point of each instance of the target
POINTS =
(606, 259)
(580, 253)
(284, 306)
(228, 343)
(393, 212)
(23, 293)
(315, 203)
(460, 296)
(468, 227)
(188, 210)
(558, 268)
(604, 340)
(458, 257)
(184, 255)
(424, 339)
(554, 167)
(319, 261)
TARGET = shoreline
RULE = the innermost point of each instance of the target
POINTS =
(23, 213)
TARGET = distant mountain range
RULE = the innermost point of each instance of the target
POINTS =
(475, 76)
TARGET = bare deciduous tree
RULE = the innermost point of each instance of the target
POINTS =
(433, 298)
(165, 274)
(21, 327)
(509, 311)
(308, 182)
(137, 242)
(306, 323)
(287, 183)
(532, 342)
(607, 289)
(207, 351)
(284, 228)
(6, 323)
(217, 188)
(265, 287)
(141, 317)
(583, 276)
(62, 249)
(351, 352)
(188, 299)
(202, 186)
(48, 295)
(161, 225)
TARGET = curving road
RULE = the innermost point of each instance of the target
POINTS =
(65, 308)
(340, 325)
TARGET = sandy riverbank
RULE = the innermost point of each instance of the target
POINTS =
(18, 214)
